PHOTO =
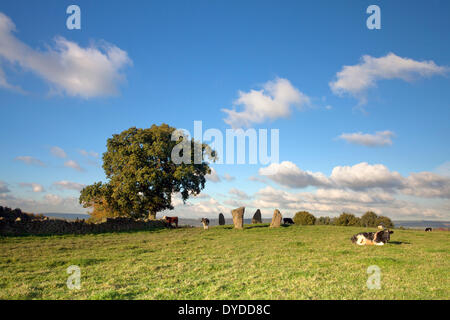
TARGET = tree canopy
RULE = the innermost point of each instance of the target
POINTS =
(304, 218)
(347, 219)
(369, 219)
(142, 174)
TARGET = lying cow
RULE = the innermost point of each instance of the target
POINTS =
(428, 229)
(378, 238)
(288, 221)
(205, 222)
(171, 220)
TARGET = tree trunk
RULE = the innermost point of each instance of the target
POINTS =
(152, 215)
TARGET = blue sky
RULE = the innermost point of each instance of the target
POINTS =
(178, 61)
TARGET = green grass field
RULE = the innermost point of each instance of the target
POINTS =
(296, 262)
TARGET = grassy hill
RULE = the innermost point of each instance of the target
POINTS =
(311, 262)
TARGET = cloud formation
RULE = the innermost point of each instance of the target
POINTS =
(361, 177)
(365, 176)
(35, 187)
(238, 193)
(444, 169)
(4, 187)
(355, 80)
(380, 138)
(30, 161)
(58, 152)
(86, 153)
(213, 176)
(228, 177)
(273, 101)
(198, 209)
(68, 185)
(288, 174)
(94, 71)
(74, 165)
(48, 203)
(332, 202)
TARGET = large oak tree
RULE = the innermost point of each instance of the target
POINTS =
(142, 176)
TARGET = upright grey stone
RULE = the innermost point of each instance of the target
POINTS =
(238, 217)
(276, 219)
(221, 219)
(257, 217)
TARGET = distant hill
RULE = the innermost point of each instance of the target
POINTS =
(415, 224)
(67, 216)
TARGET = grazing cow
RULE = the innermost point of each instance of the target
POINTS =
(428, 229)
(171, 220)
(288, 221)
(205, 222)
(378, 238)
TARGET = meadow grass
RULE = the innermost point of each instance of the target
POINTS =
(295, 262)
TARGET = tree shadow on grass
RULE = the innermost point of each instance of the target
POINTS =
(256, 226)
(284, 225)
(399, 242)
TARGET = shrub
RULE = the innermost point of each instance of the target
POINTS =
(369, 219)
(324, 221)
(347, 219)
(304, 218)
(385, 221)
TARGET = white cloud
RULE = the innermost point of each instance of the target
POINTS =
(213, 176)
(202, 196)
(58, 152)
(86, 72)
(274, 101)
(92, 154)
(427, 185)
(48, 203)
(4, 187)
(74, 165)
(5, 84)
(30, 160)
(333, 195)
(444, 169)
(360, 177)
(380, 138)
(199, 209)
(355, 80)
(332, 202)
(288, 174)
(35, 187)
(364, 175)
(238, 193)
(227, 177)
(68, 185)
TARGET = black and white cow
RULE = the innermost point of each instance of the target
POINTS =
(378, 238)
(205, 222)
(428, 229)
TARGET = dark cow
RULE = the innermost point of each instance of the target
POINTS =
(288, 221)
(205, 222)
(378, 238)
(171, 220)
(428, 229)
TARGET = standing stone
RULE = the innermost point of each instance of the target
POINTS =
(257, 217)
(276, 219)
(221, 219)
(238, 217)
